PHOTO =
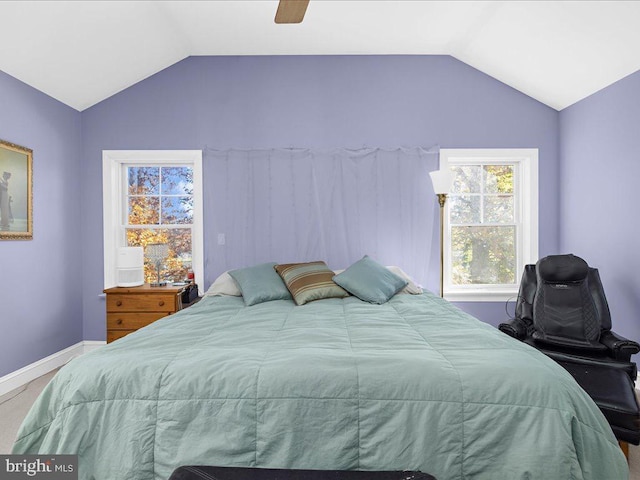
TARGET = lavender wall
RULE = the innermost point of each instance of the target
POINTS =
(40, 288)
(316, 102)
(600, 153)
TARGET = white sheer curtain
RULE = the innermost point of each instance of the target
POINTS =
(295, 205)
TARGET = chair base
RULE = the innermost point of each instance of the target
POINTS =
(613, 392)
(241, 473)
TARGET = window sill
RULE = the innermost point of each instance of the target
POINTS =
(481, 295)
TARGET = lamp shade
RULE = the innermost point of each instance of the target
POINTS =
(442, 180)
(157, 251)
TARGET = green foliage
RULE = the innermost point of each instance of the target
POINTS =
(483, 237)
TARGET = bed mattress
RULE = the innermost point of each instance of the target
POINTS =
(337, 384)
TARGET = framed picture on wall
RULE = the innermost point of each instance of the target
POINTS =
(16, 197)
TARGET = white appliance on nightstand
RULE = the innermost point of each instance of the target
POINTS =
(130, 267)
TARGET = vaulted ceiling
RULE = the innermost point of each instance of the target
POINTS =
(81, 52)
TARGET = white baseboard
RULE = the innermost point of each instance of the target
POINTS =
(90, 345)
(26, 374)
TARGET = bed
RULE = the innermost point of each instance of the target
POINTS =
(412, 384)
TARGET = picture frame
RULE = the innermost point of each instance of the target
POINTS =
(16, 194)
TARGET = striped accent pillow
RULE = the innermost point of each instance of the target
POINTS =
(310, 281)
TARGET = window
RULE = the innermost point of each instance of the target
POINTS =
(154, 197)
(491, 222)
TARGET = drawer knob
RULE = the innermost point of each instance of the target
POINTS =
(161, 303)
(119, 321)
(119, 303)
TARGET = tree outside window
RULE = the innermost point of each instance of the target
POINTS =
(482, 220)
(491, 225)
(159, 209)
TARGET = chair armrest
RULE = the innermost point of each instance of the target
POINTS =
(621, 348)
(515, 328)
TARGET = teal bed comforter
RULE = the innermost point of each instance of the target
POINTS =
(335, 384)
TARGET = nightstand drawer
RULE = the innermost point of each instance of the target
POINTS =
(116, 334)
(131, 308)
(165, 302)
(131, 321)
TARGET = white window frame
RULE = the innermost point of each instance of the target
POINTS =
(526, 180)
(113, 195)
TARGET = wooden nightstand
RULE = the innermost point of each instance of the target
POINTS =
(131, 308)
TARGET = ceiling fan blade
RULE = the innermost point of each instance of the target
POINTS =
(291, 11)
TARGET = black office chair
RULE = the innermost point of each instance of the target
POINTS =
(562, 311)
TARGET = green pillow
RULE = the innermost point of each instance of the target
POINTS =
(370, 281)
(260, 283)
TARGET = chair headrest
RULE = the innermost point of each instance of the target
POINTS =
(562, 268)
